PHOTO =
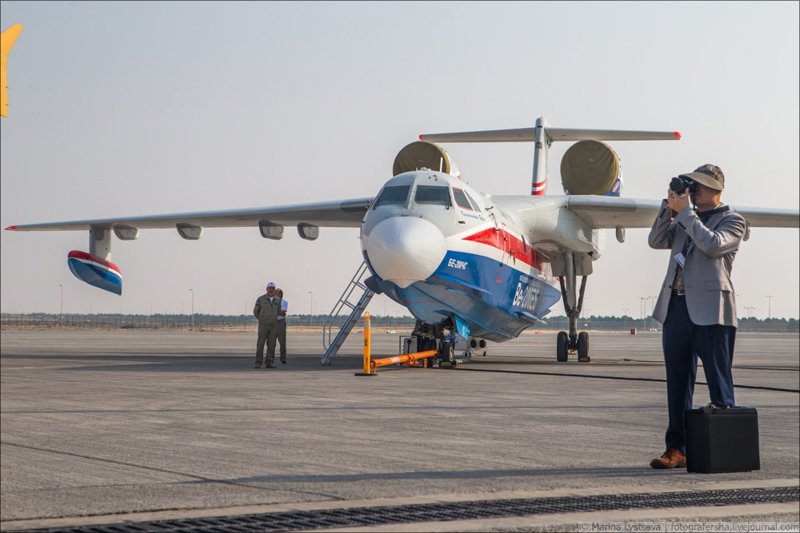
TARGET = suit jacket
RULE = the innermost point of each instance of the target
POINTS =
(710, 297)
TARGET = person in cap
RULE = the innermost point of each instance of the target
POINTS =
(267, 310)
(282, 324)
(696, 304)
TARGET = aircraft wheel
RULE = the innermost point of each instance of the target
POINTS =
(562, 346)
(583, 347)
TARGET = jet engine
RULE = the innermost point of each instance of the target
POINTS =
(591, 167)
(421, 154)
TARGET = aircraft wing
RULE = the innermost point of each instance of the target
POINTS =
(342, 213)
(612, 212)
(96, 269)
(599, 212)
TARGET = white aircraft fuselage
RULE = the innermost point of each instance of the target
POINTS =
(448, 252)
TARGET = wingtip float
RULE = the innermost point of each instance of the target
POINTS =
(95, 271)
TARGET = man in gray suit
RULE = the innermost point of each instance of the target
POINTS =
(697, 303)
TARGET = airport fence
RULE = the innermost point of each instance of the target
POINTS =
(164, 321)
(403, 323)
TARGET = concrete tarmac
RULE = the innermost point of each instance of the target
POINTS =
(104, 427)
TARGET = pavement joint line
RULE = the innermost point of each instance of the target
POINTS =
(163, 470)
(622, 378)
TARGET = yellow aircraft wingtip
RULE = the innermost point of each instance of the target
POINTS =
(7, 40)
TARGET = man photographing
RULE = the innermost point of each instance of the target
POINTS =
(696, 303)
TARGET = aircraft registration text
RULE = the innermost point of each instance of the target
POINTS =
(458, 264)
(527, 296)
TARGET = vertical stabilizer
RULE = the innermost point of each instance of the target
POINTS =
(7, 40)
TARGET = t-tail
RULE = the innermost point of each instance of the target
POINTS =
(588, 167)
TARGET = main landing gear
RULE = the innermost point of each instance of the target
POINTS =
(569, 343)
(566, 345)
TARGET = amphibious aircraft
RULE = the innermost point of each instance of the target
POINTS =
(464, 263)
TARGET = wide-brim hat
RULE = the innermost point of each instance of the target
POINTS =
(709, 175)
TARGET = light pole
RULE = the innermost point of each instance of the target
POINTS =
(643, 307)
(192, 291)
(61, 312)
(749, 310)
(769, 308)
(311, 312)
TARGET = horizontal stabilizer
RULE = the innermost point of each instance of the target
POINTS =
(95, 271)
(553, 134)
(489, 136)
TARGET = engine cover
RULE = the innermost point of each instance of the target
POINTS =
(421, 154)
(591, 167)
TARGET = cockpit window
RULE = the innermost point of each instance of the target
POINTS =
(432, 195)
(461, 199)
(474, 203)
(395, 195)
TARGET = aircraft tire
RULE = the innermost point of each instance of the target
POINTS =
(583, 347)
(562, 346)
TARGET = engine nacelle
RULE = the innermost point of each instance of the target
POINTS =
(591, 167)
(422, 154)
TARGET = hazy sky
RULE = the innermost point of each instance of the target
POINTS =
(128, 108)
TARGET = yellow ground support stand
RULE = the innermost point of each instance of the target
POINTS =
(371, 366)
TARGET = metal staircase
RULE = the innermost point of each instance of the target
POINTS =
(332, 347)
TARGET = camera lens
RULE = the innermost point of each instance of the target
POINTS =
(678, 185)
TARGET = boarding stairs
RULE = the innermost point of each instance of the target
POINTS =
(356, 309)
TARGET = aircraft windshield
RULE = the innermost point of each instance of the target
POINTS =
(395, 195)
(462, 201)
(432, 195)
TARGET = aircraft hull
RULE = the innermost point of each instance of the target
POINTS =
(496, 300)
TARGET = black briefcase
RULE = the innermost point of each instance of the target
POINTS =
(722, 440)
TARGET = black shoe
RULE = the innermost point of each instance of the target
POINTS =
(270, 365)
(283, 361)
(258, 365)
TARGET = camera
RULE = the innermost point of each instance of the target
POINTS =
(679, 184)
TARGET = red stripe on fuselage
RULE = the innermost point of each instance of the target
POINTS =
(508, 244)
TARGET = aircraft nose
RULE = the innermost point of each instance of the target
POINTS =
(405, 249)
